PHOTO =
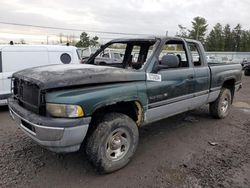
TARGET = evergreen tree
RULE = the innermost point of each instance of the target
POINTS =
(228, 44)
(209, 44)
(248, 41)
(245, 41)
(94, 41)
(236, 37)
(215, 39)
(85, 41)
(199, 28)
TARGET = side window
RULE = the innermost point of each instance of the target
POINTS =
(126, 54)
(112, 55)
(135, 54)
(106, 55)
(117, 56)
(195, 54)
(173, 50)
(65, 58)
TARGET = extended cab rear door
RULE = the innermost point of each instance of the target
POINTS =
(202, 73)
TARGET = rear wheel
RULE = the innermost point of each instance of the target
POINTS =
(220, 107)
(112, 143)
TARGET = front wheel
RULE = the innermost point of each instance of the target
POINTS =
(220, 107)
(113, 142)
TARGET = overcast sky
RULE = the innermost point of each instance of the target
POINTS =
(133, 16)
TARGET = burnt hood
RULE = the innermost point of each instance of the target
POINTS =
(57, 76)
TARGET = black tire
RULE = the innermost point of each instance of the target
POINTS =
(102, 63)
(247, 72)
(220, 107)
(116, 133)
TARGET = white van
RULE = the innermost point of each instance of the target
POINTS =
(17, 57)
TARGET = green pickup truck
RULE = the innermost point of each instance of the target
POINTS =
(101, 107)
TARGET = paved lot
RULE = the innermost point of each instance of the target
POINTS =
(176, 152)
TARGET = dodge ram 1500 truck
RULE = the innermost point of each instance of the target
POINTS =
(62, 107)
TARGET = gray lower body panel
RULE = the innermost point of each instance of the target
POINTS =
(168, 110)
(182, 104)
(179, 105)
(213, 95)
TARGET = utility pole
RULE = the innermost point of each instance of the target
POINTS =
(166, 33)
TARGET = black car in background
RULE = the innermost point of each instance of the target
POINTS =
(246, 67)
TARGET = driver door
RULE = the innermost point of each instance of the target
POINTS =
(171, 93)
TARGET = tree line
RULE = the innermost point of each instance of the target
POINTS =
(86, 41)
(220, 38)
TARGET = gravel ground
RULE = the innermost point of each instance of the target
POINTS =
(188, 150)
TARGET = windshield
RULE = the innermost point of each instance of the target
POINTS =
(78, 51)
(124, 54)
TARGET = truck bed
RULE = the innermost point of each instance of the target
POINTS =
(224, 71)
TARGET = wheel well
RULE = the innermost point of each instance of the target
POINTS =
(133, 109)
(229, 84)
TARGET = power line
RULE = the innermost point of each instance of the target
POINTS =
(68, 29)
(37, 37)
(48, 35)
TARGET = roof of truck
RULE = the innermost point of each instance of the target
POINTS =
(149, 38)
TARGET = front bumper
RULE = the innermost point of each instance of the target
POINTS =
(3, 99)
(60, 135)
(238, 86)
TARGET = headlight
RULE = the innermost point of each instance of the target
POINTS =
(64, 110)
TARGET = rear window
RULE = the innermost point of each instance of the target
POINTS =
(196, 56)
(65, 58)
(117, 56)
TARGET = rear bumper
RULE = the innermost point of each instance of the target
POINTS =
(60, 135)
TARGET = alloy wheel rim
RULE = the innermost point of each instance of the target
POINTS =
(224, 105)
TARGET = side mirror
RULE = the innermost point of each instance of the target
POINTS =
(136, 66)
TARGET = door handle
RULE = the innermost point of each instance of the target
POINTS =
(190, 77)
